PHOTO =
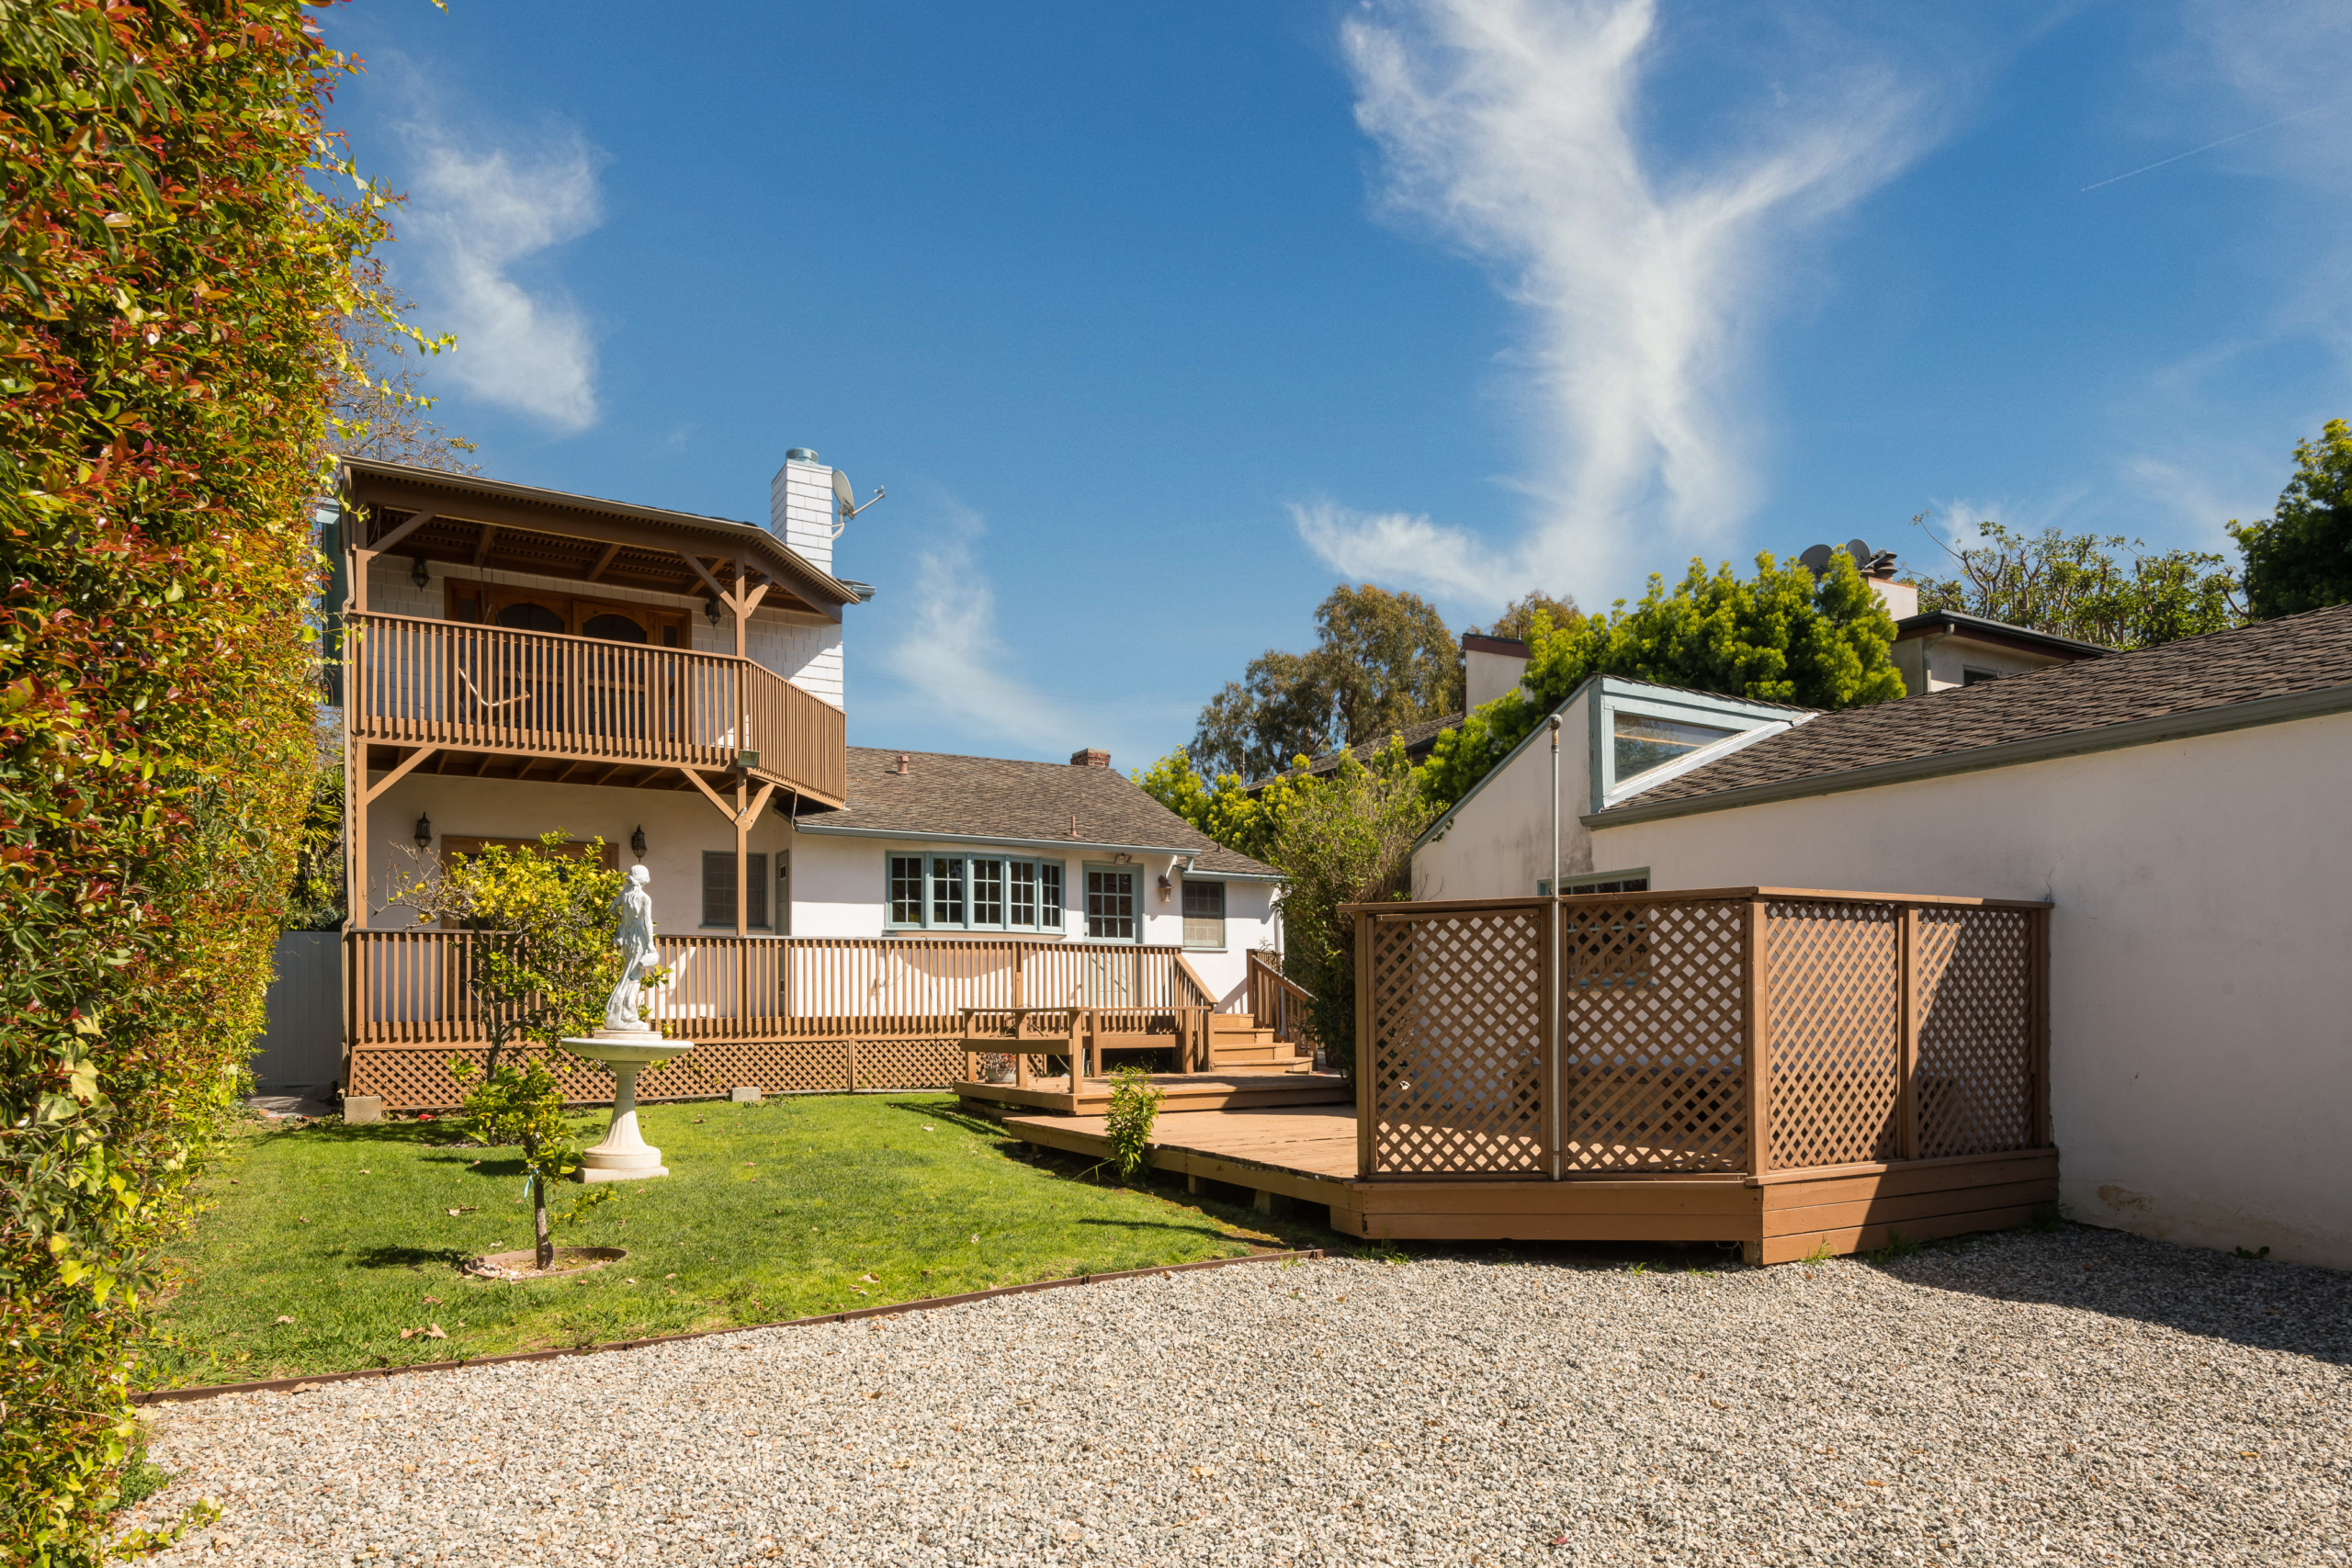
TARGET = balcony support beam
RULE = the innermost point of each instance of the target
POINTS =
(740, 815)
(363, 795)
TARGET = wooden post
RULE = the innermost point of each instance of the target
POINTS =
(851, 1045)
(355, 854)
(1756, 944)
(1363, 1043)
(742, 859)
(1549, 975)
(2038, 1005)
(1910, 1007)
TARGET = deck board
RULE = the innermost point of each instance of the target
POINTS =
(1308, 1153)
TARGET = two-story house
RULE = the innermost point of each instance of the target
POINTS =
(517, 659)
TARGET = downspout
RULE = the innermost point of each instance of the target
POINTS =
(1552, 930)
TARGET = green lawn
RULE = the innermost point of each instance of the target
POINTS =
(774, 1211)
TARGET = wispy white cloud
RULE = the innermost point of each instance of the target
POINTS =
(953, 658)
(481, 207)
(1514, 130)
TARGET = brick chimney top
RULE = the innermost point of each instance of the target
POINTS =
(1089, 758)
(906, 765)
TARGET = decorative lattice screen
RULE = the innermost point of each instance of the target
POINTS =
(1976, 1048)
(1455, 1058)
(1834, 1053)
(1653, 1048)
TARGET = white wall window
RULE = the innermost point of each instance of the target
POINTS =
(718, 890)
(1204, 914)
(1111, 896)
(987, 893)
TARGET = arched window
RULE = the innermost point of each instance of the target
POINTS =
(529, 617)
(612, 628)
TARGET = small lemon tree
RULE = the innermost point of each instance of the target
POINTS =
(542, 969)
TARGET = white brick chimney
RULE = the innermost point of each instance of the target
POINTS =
(800, 507)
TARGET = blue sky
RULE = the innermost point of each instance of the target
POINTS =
(1158, 320)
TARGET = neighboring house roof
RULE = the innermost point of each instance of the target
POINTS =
(2296, 667)
(994, 800)
(1419, 740)
(1981, 629)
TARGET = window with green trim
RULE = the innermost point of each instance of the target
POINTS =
(1204, 913)
(1111, 903)
(986, 893)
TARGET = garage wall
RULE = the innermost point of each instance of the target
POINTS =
(2201, 992)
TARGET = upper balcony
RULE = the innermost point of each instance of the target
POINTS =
(506, 687)
(593, 711)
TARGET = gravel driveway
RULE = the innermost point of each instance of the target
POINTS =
(2078, 1397)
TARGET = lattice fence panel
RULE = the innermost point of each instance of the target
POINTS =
(1655, 1049)
(421, 1080)
(1455, 1056)
(1835, 1052)
(909, 1064)
(1976, 1077)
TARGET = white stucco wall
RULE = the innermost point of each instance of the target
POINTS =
(805, 649)
(678, 827)
(838, 885)
(2201, 999)
(1499, 842)
(1937, 662)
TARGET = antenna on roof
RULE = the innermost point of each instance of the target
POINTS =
(846, 499)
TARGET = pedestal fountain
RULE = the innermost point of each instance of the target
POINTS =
(628, 1044)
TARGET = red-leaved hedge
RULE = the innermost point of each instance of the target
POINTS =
(171, 274)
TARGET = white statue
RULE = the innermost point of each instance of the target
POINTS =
(635, 939)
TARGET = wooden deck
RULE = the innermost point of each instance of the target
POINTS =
(1181, 1095)
(1308, 1153)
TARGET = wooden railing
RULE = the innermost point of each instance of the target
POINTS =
(426, 683)
(1732, 1030)
(1278, 1002)
(408, 987)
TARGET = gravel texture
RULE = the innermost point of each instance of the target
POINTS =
(2076, 1397)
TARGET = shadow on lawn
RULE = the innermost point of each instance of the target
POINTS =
(405, 1256)
(954, 1114)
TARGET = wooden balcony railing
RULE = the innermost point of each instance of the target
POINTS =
(1730, 1030)
(411, 681)
(408, 987)
(1278, 1002)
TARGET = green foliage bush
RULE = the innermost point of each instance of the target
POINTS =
(170, 281)
(2299, 557)
(1135, 1109)
(1779, 637)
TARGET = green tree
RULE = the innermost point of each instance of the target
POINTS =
(2073, 585)
(1344, 838)
(545, 962)
(1382, 661)
(1518, 619)
(2300, 558)
(1223, 810)
(542, 968)
(1780, 637)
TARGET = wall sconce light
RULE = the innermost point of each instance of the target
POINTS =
(419, 575)
(637, 844)
(710, 608)
(423, 831)
(1165, 888)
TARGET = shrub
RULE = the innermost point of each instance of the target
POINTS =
(169, 285)
(1135, 1106)
(1346, 838)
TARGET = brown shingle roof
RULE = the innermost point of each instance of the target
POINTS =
(1001, 800)
(2311, 653)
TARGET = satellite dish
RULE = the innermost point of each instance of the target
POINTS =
(1815, 559)
(843, 494)
(1861, 554)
